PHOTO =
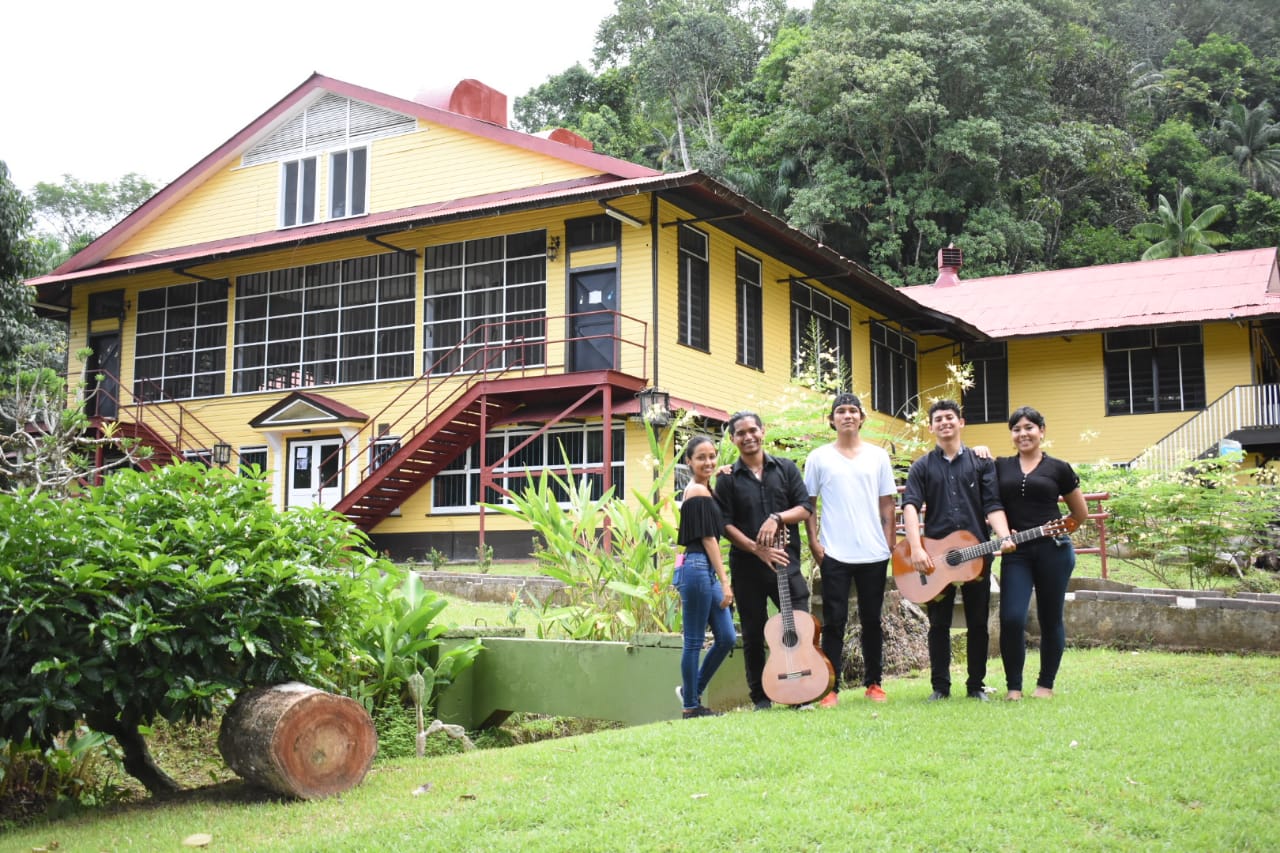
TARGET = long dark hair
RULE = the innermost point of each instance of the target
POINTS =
(694, 444)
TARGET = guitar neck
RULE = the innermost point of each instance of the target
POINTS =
(991, 546)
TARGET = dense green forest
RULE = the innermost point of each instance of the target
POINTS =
(1034, 134)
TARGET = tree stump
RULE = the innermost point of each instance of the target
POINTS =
(298, 740)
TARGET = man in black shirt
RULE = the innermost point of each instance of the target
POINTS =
(960, 492)
(760, 495)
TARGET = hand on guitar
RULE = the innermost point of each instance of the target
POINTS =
(771, 542)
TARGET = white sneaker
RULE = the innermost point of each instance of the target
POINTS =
(680, 694)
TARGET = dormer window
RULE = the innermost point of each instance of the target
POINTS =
(348, 182)
(298, 192)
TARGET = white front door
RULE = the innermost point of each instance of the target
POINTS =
(314, 472)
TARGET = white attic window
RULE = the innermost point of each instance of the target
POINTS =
(329, 123)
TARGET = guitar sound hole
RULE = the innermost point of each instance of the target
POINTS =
(790, 639)
(953, 558)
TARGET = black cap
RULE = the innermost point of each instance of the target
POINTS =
(845, 399)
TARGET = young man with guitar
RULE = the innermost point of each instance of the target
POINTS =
(959, 492)
(759, 497)
(854, 481)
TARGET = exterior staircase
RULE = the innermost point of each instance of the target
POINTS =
(418, 460)
(1249, 414)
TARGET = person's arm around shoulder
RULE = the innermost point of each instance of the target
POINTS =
(912, 499)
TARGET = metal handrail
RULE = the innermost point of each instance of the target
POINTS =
(126, 399)
(1240, 407)
(475, 348)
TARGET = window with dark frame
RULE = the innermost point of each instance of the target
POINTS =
(107, 305)
(485, 304)
(893, 371)
(564, 449)
(694, 290)
(251, 456)
(180, 341)
(348, 182)
(1154, 370)
(987, 401)
(811, 309)
(298, 192)
(589, 232)
(325, 324)
(750, 313)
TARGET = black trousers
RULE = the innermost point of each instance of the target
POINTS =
(977, 603)
(869, 580)
(754, 586)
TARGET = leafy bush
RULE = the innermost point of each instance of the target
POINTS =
(1185, 527)
(155, 594)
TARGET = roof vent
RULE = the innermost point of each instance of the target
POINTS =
(567, 137)
(469, 98)
(950, 260)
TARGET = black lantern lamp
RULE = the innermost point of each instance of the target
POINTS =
(221, 454)
(655, 406)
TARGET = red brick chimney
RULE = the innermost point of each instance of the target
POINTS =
(950, 260)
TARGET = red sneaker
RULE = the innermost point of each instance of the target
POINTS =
(875, 694)
(830, 700)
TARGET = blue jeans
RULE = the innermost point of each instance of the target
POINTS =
(701, 594)
(1046, 566)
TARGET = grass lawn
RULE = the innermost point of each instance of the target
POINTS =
(1138, 751)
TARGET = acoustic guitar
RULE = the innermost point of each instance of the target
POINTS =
(957, 558)
(796, 671)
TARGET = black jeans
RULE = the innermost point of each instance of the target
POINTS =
(754, 586)
(869, 580)
(977, 603)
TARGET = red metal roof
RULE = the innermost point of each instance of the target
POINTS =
(1195, 289)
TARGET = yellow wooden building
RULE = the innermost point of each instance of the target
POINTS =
(1149, 363)
(397, 307)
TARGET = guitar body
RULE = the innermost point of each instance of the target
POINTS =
(958, 558)
(924, 587)
(796, 672)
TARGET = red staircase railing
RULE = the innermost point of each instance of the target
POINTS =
(165, 424)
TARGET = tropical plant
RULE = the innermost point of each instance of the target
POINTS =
(1188, 526)
(156, 595)
(1179, 232)
(614, 557)
(399, 641)
(1254, 142)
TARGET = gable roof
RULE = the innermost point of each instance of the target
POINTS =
(1195, 289)
(315, 86)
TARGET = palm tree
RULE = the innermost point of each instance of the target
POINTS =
(1255, 145)
(1177, 233)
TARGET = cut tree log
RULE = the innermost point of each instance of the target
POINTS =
(298, 740)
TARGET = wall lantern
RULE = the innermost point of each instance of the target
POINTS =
(553, 248)
(221, 454)
(655, 406)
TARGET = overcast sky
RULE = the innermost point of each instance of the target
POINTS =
(97, 90)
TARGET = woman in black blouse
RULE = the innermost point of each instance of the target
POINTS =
(701, 579)
(1030, 485)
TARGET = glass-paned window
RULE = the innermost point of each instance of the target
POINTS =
(987, 402)
(566, 450)
(337, 322)
(348, 182)
(382, 449)
(180, 345)
(253, 456)
(750, 312)
(298, 192)
(485, 305)
(591, 232)
(1154, 370)
(818, 321)
(893, 371)
(694, 290)
(106, 305)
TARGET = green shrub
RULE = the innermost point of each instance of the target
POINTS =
(154, 595)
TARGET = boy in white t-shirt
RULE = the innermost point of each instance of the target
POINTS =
(854, 482)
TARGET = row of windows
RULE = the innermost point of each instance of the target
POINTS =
(564, 450)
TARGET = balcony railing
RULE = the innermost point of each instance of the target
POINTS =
(1241, 407)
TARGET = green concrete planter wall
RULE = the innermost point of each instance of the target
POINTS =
(629, 682)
